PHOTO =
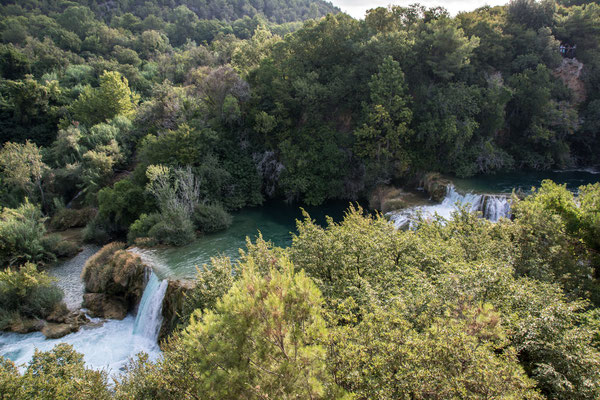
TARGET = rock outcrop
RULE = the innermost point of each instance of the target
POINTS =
(105, 306)
(388, 198)
(435, 186)
(173, 304)
(569, 72)
(59, 323)
(62, 321)
(27, 325)
(114, 281)
(55, 331)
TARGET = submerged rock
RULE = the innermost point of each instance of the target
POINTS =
(55, 331)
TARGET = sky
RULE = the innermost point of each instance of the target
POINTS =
(357, 8)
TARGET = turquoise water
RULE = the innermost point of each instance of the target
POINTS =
(524, 180)
(276, 221)
(109, 346)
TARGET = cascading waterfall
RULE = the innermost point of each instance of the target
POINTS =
(492, 207)
(149, 317)
(106, 345)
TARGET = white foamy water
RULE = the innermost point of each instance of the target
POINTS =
(149, 318)
(108, 346)
(492, 207)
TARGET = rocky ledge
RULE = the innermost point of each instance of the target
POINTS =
(114, 281)
(173, 304)
(59, 323)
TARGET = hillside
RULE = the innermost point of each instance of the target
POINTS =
(276, 11)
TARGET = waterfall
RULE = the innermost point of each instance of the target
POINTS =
(495, 207)
(107, 345)
(149, 316)
(492, 207)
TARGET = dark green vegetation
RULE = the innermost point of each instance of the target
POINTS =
(164, 117)
(460, 309)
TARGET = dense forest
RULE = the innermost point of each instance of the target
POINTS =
(150, 122)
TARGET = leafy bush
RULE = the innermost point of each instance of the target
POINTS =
(212, 282)
(141, 227)
(67, 218)
(287, 338)
(59, 374)
(557, 238)
(28, 292)
(99, 230)
(211, 218)
(22, 236)
(174, 228)
(60, 247)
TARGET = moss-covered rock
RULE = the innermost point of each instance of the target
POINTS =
(173, 304)
(435, 186)
(105, 306)
(26, 325)
(381, 194)
(118, 275)
(389, 198)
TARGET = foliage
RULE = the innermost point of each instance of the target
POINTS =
(557, 238)
(112, 98)
(56, 374)
(67, 218)
(211, 218)
(120, 206)
(141, 226)
(27, 292)
(22, 167)
(384, 138)
(212, 282)
(30, 109)
(444, 271)
(173, 228)
(167, 115)
(22, 233)
(264, 338)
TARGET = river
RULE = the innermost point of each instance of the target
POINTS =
(110, 344)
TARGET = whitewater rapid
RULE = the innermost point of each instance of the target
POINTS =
(105, 345)
(491, 206)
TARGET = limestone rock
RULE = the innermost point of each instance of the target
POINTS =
(27, 325)
(435, 186)
(104, 306)
(54, 331)
(569, 72)
(59, 314)
(114, 279)
(173, 305)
